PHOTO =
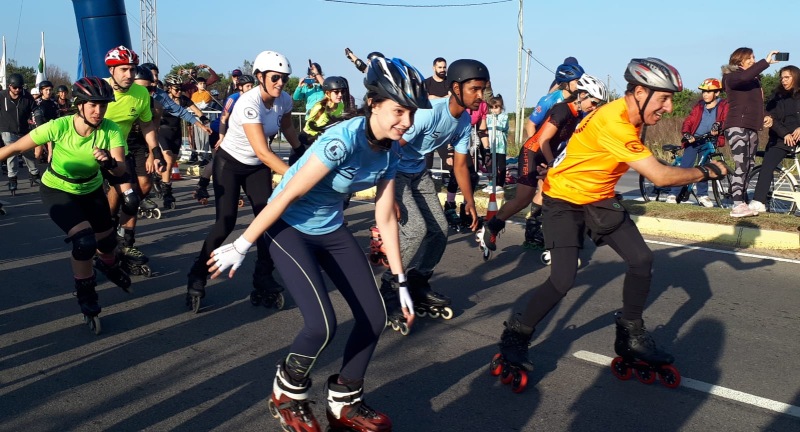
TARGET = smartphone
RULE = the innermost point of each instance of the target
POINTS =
(309, 81)
(310, 65)
(782, 56)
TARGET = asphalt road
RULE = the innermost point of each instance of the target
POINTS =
(731, 321)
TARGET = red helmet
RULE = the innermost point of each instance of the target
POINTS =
(121, 56)
(710, 84)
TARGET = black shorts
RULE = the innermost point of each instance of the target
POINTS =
(139, 155)
(170, 139)
(128, 177)
(68, 210)
(528, 175)
(563, 223)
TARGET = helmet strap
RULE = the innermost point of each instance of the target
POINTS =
(81, 114)
(458, 98)
(384, 144)
(643, 106)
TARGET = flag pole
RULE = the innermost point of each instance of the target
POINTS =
(3, 66)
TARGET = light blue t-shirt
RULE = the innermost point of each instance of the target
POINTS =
(539, 114)
(354, 166)
(432, 129)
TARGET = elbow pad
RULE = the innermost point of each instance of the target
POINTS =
(360, 65)
(483, 133)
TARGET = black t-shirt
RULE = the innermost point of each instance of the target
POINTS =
(562, 116)
(436, 88)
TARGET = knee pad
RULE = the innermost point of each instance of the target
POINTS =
(107, 244)
(130, 203)
(84, 245)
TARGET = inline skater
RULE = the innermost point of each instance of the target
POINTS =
(423, 226)
(72, 188)
(46, 110)
(16, 108)
(542, 149)
(63, 102)
(329, 109)
(579, 197)
(244, 160)
(132, 103)
(303, 224)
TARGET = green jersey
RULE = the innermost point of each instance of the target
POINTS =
(129, 106)
(73, 156)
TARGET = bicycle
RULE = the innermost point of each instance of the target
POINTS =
(784, 192)
(708, 151)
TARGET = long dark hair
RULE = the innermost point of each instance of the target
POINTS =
(795, 90)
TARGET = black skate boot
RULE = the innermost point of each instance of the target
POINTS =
(201, 193)
(290, 405)
(451, 214)
(426, 301)
(512, 363)
(132, 260)
(394, 313)
(464, 218)
(347, 411)
(169, 200)
(87, 299)
(114, 273)
(12, 185)
(534, 238)
(34, 179)
(487, 236)
(638, 353)
(196, 286)
(149, 209)
(266, 290)
(158, 186)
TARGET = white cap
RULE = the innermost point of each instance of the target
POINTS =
(35, 91)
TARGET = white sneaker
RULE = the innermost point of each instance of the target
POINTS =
(757, 206)
(705, 201)
(742, 210)
(488, 189)
(672, 199)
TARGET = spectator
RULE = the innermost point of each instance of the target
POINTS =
(46, 110)
(190, 86)
(15, 110)
(35, 94)
(497, 123)
(309, 90)
(202, 98)
(233, 86)
(437, 83)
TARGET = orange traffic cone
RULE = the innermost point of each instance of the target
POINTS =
(492, 208)
(176, 172)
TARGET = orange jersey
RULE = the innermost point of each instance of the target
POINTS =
(596, 157)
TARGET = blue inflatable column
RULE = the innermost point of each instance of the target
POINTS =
(102, 25)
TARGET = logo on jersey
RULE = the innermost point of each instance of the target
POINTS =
(347, 172)
(635, 146)
(250, 113)
(334, 150)
(133, 112)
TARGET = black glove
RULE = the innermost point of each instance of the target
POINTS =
(715, 127)
(109, 163)
(297, 153)
(204, 119)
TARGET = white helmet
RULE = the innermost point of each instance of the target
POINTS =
(593, 86)
(271, 61)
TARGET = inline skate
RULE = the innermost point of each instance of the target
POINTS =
(348, 412)
(426, 301)
(12, 185)
(169, 199)
(512, 364)
(113, 272)
(2, 212)
(487, 236)
(394, 313)
(157, 185)
(87, 299)
(266, 290)
(377, 254)
(466, 220)
(453, 220)
(534, 237)
(149, 209)
(132, 260)
(201, 192)
(290, 405)
(34, 179)
(196, 287)
(638, 354)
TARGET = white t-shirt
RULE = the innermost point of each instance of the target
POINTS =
(250, 109)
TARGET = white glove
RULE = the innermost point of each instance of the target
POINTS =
(231, 255)
(402, 293)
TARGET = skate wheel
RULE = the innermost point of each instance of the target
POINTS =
(374, 259)
(255, 300)
(278, 302)
(204, 201)
(519, 382)
(241, 203)
(496, 365)
(195, 302)
(403, 329)
(447, 313)
(273, 409)
(434, 314)
(645, 375)
(2, 212)
(506, 376)
(669, 376)
(157, 213)
(173, 206)
(145, 271)
(545, 258)
(421, 313)
(385, 262)
(620, 370)
(579, 263)
(93, 323)
(486, 253)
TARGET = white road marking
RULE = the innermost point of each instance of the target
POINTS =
(743, 254)
(713, 389)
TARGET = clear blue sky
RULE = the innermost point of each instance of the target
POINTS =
(696, 37)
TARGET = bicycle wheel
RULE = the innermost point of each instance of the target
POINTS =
(783, 181)
(651, 192)
(722, 192)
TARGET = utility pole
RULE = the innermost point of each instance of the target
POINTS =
(520, 121)
(149, 31)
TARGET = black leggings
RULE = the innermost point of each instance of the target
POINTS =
(772, 158)
(230, 176)
(68, 210)
(302, 258)
(563, 225)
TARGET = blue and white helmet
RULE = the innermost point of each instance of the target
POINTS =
(397, 80)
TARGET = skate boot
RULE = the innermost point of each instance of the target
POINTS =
(201, 193)
(158, 186)
(464, 218)
(639, 354)
(266, 290)
(34, 179)
(377, 254)
(394, 313)
(512, 363)
(487, 236)
(534, 238)
(113, 272)
(426, 301)
(196, 286)
(87, 299)
(347, 411)
(451, 214)
(169, 200)
(290, 405)
(12, 185)
(149, 209)
(133, 260)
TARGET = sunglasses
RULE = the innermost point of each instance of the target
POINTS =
(14, 87)
(276, 77)
(594, 102)
(337, 91)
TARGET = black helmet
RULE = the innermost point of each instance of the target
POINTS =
(655, 74)
(92, 89)
(61, 88)
(334, 83)
(246, 79)
(143, 73)
(465, 70)
(150, 66)
(397, 80)
(16, 80)
(45, 84)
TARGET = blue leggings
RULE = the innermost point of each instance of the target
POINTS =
(301, 259)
